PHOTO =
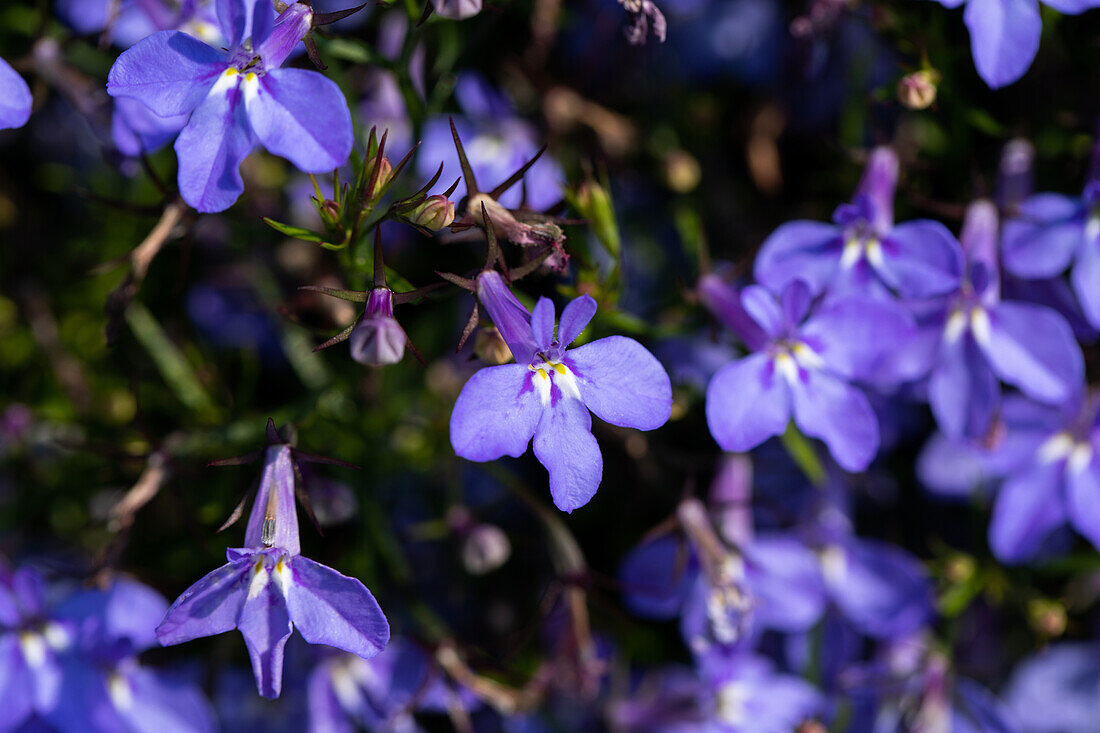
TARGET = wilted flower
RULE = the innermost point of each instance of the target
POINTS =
(378, 338)
(549, 391)
(236, 98)
(267, 589)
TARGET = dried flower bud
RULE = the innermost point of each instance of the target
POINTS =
(918, 90)
(485, 548)
(490, 346)
(378, 338)
(434, 213)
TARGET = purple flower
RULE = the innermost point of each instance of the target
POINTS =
(1054, 482)
(1057, 690)
(497, 143)
(457, 9)
(750, 696)
(267, 589)
(136, 130)
(132, 20)
(803, 364)
(863, 250)
(378, 338)
(1051, 232)
(969, 340)
(549, 391)
(237, 98)
(1004, 34)
(15, 98)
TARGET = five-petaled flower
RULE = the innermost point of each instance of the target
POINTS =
(803, 365)
(267, 589)
(237, 98)
(549, 391)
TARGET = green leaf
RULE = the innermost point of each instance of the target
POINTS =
(293, 231)
(170, 361)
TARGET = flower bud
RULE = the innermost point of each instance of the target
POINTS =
(434, 213)
(385, 176)
(378, 338)
(485, 548)
(918, 90)
(593, 203)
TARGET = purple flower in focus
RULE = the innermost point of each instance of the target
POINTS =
(549, 392)
(15, 98)
(267, 589)
(237, 98)
(863, 250)
(136, 130)
(1004, 34)
(803, 365)
(970, 339)
(497, 143)
(1051, 232)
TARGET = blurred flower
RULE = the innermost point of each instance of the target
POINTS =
(644, 16)
(969, 339)
(15, 98)
(236, 98)
(1057, 690)
(267, 589)
(383, 107)
(1004, 34)
(457, 9)
(497, 142)
(918, 89)
(549, 391)
(129, 21)
(862, 250)
(1050, 231)
(485, 548)
(803, 364)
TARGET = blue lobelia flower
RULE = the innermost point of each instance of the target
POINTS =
(1004, 34)
(862, 250)
(1056, 690)
(237, 98)
(803, 365)
(15, 98)
(267, 589)
(1051, 232)
(549, 391)
(970, 339)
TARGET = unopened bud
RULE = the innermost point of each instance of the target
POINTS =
(434, 213)
(918, 89)
(490, 346)
(485, 548)
(682, 171)
(330, 212)
(593, 203)
(1048, 617)
(378, 338)
(385, 177)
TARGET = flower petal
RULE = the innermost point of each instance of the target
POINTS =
(574, 318)
(330, 608)
(170, 72)
(1042, 239)
(16, 684)
(838, 413)
(1085, 278)
(542, 322)
(784, 578)
(747, 403)
(495, 414)
(212, 147)
(1004, 38)
(622, 383)
(300, 115)
(15, 98)
(162, 703)
(1083, 499)
(1029, 506)
(210, 606)
(808, 250)
(963, 392)
(265, 625)
(921, 258)
(1033, 348)
(508, 314)
(233, 17)
(853, 334)
(656, 577)
(881, 589)
(564, 444)
(764, 308)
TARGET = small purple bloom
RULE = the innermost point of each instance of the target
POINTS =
(457, 9)
(863, 250)
(1057, 690)
(378, 338)
(136, 130)
(15, 98)
(751, 696)
(970, 340)
(803, 366)
(1004, 34)
(237, 98)
(1051, 232)
(549, 392)
(267, 589)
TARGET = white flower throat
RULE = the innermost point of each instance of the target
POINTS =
(553, 372)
